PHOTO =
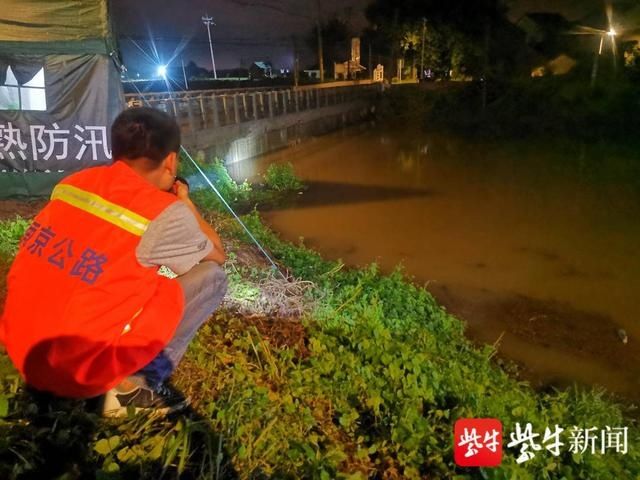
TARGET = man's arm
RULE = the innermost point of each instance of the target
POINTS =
(217, 254)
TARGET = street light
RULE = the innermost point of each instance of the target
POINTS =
(162, 71)
(208, 21)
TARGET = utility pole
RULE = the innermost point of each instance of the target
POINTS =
(614, 50)
(320, 45)
(596, 61)
(184, 72)
(208, 21)
(424, 32)
(349, 62)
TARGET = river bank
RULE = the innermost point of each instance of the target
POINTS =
(533, 245)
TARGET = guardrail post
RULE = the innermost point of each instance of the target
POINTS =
(236, 108)
(203, 113)
(284, 103)
(216, 113)
(262, 108)
(255, 105)
(225, 109)
(244, 106)
(270, 100)
(296, 94)
(175, 110)
(192, 120)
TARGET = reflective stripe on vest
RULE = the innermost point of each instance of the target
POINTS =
(104, 209)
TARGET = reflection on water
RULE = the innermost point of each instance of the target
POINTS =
(538, 242)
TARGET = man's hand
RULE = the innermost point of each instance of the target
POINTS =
(181, 190)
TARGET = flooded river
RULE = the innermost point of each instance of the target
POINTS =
(535, 246)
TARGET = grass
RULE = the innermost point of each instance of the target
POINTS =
(363, 377)
(281, 178)
(11, 232)
(279, 181)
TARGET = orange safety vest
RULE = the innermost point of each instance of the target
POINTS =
(81, 312)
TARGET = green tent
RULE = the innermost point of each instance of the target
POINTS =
(60, 90)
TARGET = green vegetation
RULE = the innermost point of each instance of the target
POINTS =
(364, 381)
(494, 56)
(217, 173)
(559, 106)
(11, 232)
(281, 178)
(462, 39)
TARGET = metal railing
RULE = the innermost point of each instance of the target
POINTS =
(200, 110)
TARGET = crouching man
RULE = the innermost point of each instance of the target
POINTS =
(86, 311)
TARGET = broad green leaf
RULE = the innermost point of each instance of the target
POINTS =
(105, 446)
(4, 406)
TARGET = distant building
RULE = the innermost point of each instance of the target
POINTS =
(261, 70)
(351, 68)
(561, 65)
(378, 74)
(313, 72)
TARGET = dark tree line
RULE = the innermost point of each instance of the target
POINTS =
(470, 38)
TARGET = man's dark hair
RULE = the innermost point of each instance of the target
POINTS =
(144, 133)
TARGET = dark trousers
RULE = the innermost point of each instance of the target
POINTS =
(204, 287)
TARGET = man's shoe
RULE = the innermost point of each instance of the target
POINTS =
(162, 400)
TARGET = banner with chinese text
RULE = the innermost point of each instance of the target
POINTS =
(55, 114)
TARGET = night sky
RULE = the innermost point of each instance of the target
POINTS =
(251, 30)
(246, 31)
(571, 9)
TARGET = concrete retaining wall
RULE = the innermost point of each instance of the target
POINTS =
(238, 125)
(237, 142)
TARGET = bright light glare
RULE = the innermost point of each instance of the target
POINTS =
(162, 71)
(612, 32)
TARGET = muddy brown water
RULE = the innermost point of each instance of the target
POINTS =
(535, 245)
